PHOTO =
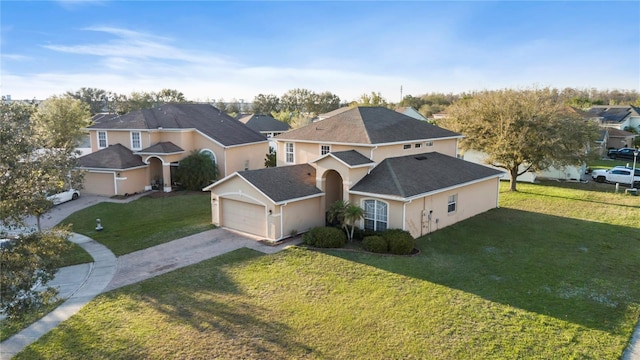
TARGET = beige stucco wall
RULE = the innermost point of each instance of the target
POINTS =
(99, 183)
(135, 181)
(250, 155)
(472, 200)
(307, 152)
(301, 216)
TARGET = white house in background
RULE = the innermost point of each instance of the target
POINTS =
(567, 173)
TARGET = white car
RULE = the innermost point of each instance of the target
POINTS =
(64, 196)
(618, 174)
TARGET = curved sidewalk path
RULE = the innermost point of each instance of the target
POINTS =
(100, 274)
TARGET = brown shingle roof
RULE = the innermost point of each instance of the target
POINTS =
(166, 147)
(368, 125)
(115, 157)
(412, 175)
(262, 123)
(203, 117)
(284, 182)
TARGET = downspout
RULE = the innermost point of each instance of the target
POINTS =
(498, 194)
(282, 221)
(404, 215)
(371, 158)
(115, 183)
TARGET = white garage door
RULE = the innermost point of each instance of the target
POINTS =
(243, 217)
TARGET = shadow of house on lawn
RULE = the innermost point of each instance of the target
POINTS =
(578, 271)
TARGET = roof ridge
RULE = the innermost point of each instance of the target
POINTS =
(364, 124)
(394, 177)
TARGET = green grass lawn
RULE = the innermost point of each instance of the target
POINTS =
(552, 274)
(145, 222)
(608, 163)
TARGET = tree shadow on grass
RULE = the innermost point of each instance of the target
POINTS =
(578, 271)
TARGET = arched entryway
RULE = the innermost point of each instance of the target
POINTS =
(333, 187)
(156, 176)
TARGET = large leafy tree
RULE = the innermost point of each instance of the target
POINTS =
(99, 100)
(36, 155)
(521, 130)
(325, 102)
(265, 104)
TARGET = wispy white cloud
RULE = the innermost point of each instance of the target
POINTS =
(15, 57)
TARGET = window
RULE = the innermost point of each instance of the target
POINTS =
(406, 146)
(375, 215)
(417, 146)
(288, 153)
(451, 203)
(102, 139)
(428, 143)
(325, 149)
(136, 144)
(210, 154)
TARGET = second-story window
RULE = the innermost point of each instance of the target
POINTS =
(136, 144)
(102, 139)
(325, 149)
(288, 153)
(406, 146)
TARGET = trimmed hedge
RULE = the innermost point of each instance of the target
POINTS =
(375, 243)
(400, 242)
(325, 237)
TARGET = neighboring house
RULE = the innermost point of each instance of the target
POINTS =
(567, 173)
(410, 111)
(403, 172)
(619, 138)
(265, 125)
(616, 116)
(140, 150)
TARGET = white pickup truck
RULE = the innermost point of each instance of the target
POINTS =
(618, 174)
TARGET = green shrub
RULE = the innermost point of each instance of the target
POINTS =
(400, 242)
(375, 243)
(325, 237)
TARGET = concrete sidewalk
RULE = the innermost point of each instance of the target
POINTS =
(80, 283)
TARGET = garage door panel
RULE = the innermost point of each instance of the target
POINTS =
(245, 217)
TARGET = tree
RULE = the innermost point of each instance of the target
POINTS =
(375, 99)
(324, 103)
(345, 214)
(59, 121)
(33, 160)
(297, 100)
(265, 104)
(28, 262)
(529, 129)
(271, 159)
(166, 96)
(99, 100)
(197, 171)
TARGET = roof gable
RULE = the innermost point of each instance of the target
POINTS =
(203, 117)
(350, 158)
(115, 157)
(412, 175)
(165, 147)
(368, 125)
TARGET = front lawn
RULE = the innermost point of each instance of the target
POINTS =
(551, 274)
(145, 222)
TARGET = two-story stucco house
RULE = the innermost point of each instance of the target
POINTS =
(402, 171)
(137, 151)
(618, 117)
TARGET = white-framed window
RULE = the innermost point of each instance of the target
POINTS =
(452, 203)
(417, 146)
(325, 149)
(288, 152)
(375, 215)
(102, 139)
(210, 154)
(406, 146)
(428, 143)
(136, 142)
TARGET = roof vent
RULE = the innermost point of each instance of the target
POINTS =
(421, 157)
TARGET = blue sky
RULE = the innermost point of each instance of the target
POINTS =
(215, 49)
